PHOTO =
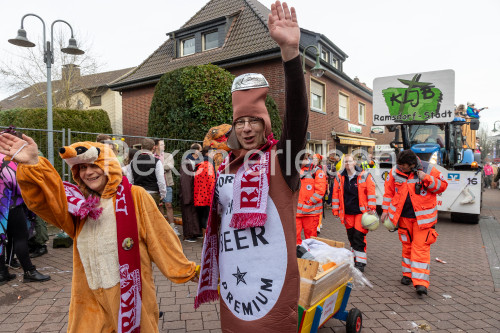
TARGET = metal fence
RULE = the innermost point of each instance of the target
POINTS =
(40, 137)
(65, 137)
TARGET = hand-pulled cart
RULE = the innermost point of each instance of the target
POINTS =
(325, 295)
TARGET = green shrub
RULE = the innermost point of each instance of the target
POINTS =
(189, 101)
(77, 120)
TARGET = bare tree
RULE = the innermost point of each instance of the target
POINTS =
(485, 142)
(27, 69)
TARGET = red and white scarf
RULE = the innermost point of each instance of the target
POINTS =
(250, 193)
(129, 318)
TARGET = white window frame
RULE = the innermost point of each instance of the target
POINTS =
(182, 46)
(362, 121)
(347, 117)
(327, 55)
(334, 63)
(204, 43)
(313, 91)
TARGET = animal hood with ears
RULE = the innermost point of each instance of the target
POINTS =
(93, 153)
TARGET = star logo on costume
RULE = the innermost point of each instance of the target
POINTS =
(239, 276)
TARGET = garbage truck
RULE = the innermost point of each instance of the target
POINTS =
(419, 108)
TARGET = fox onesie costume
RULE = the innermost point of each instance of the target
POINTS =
(95, 293)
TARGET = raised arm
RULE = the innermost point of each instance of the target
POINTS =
(285, 31)
(41, 187)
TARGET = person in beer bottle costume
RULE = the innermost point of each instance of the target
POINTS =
(250, 242)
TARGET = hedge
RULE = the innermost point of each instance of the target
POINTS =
(77, 120)
(189, 101)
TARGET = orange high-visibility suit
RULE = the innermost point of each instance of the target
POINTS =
(415, 233)
(366, 201)
(312, 190)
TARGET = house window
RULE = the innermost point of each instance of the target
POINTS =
(361, 113)
(316, 147)
(317, 96)
(324, 55)
(210, 40)
(95, 100)
(343, 106)
(334, 63)
(187, 47)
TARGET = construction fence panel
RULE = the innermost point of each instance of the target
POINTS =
(40, 137)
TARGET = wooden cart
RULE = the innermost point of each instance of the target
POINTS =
(325, 295)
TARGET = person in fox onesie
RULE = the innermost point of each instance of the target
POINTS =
(117, 229)
(250, 239)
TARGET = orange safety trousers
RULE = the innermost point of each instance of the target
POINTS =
(416, 256)
(357, 237)
(309, 223)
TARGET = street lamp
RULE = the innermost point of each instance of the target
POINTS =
(48, 50)
(317, 70)
(494, 125)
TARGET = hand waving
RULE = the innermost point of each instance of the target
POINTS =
(25, 149)
(284, 29)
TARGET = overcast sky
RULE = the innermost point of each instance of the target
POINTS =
(381, 38)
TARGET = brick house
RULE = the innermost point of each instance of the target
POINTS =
(233, 34)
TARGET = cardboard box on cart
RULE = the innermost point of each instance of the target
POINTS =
(315, 285)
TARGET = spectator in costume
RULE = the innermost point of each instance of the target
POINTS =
(13, 226)
(117, 231)
(204, 182)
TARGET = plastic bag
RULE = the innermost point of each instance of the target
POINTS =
(324, 253)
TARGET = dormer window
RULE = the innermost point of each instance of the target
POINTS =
(187, 46)
(210, 40)
(324, 55)
(335, 63)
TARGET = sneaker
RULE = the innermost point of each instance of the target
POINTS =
(421, 290)
(174, 226)
(405, 280)
(35, 276)
(40, 251)
(190, 240)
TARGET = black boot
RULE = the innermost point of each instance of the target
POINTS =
(421, 290)
(405, 280)
(5, 276)
(360, 266)
(39, 251)
(35, 276)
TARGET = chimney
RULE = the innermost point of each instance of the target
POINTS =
(70, 72)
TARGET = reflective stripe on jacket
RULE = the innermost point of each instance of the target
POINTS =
(313, 184)
(398, 185)
(366, 194)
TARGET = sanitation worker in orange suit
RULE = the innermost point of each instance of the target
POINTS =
(410, 203)
(353, 195)
(313, 184)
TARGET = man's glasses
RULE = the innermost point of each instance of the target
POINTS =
(254, 122)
